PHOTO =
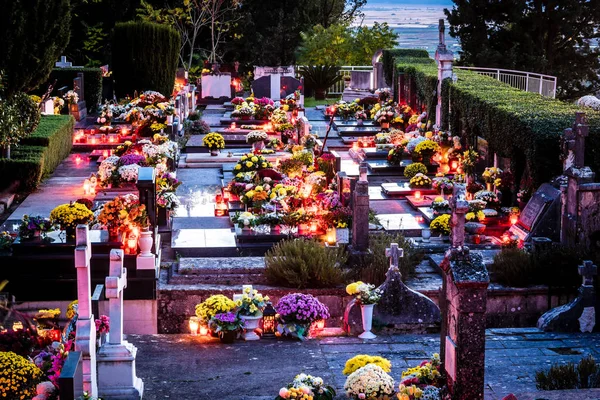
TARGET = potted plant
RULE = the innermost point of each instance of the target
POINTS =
(420, 181)
(34, 227)
(68, 216)
(249, 309)
(297, 312)
(212, 306)
(425, 150)
(273, 220)
(320, 78)
(369, 382)
(226, 326)
(257, 139)
(244, 222)
(307, 387)
(442, 185)
(215, 142)
(441, 226)
(366, 295)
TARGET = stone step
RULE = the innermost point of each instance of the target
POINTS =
(221, 265)
(218, 279)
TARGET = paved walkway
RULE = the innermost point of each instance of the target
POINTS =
(186, 367)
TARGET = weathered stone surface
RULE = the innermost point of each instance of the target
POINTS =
(475, 228)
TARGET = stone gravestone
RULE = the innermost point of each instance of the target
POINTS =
(85, 336)
(400, 308)
(116, 359)
(81, 110)
(264, 86)
(445, 58)
(360, 212)
(580, 314)
(360, 80)
(463, 303)
(541, 215)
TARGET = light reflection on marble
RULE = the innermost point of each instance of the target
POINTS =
(398, 221)
(203, 238)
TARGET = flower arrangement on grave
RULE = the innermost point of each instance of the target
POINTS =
(326, 163)
(370, 382)
(238, 101)
(297, 311)
(244, 220)
(214, 141)
(263, 108)
(287, 131)
(18, 376)
(68, 216)
(58, 104)
(441, 225)
(318, 181)
(413, 392)
(364, 293)
(476, 205)
(413, 143)
(292, 167)
(396, 155)
(383, 138)
(308, 141)
(71, 97)
(303, 393)
(468, 160)
(420, 181)
(252, 303)
(425, 374)
(339, 217)
(426, 149)
(307, 157)
(491, 176)
(347, 109)
(383, 94)
(474, 187)
(279, 116)
(34, 226)
(102, 325)
(214, 305)
(72, 309)
(318, 389)
(489, 197)
(275, 144)
(158, 127)
(289, 104)
(442, 185)
(128, 173)
(251, 162)
(122, 213)
(47, 318)
(386, 114)
(197, 127)
(478, 216)
(167, 182)
(361, 115)
(256, 136)
(269, 219)
(105, 116)
(357, 362)
(168, 200)
(6, 240)
(244, 111)
(440, 206)
(221, 323)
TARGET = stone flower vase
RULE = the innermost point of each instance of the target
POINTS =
(250, 324)
(367, 321)
(426, 234)
(145, 242)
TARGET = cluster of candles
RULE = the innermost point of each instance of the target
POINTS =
(92, 136)
(221, 200)
(130, 240)
(89, 186)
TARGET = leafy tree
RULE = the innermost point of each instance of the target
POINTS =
(329, 12)
(33, 34)
(343, 45)
(553, 37)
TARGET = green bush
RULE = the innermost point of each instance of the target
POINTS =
(374, 272)
(513, 267)
(39, 154)
(390, 55)
(302, 263)
(415, 168)
(569, 376)
(145, 57)
(92, 84)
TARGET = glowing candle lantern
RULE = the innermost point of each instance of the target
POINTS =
(269, 320)
(78, 160)
(93, 140)
(17, 326)
(203, 330)
(105, 153)
(124, 131)
(314, 226)
(86, 187)
(233, 126)
(454, 165)
(194, 325)
(418, 195)
(111, 139)
(319, 325)
(330, 237)
(514, 219)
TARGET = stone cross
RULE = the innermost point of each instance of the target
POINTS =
(85, 339)
(445, 59)
(394, 253)
(115, 283)
(63, 63)
(588, 270)
(459, 206)
(442, 30)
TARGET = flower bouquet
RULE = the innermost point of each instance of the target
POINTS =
(33, 227)
(425, 150)
(105, 117)
(364, 293)
(383, 138)
(297, 311)
(425, 374)
(383, 94)
(369, 382)
(440, 206)
(413, 143)
(477, 216)
(71, 97)
(441, 225)
(245, 220)
(214, 305)
(249, 309)
(168, 200)
(68, 216)
(316, 385)
(396, 155)
(420, 181)
(492, 177)
(6, 241)
(357, 362)
(121, 213)
(243, 111)
(214, 141)
(20, 376)
(413, 169)
(302, 393)
(226, 325)
(385, 115)
(442, 185)
(490, 198)
(467, 161)
(251, 162)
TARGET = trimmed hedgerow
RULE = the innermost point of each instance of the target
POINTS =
(145, 57)
(39, 154)
(390, 55)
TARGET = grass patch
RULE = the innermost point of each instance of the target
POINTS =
(311, 102)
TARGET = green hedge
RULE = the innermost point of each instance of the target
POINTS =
(519, 125)
(39, 154)
(92, 83)
(144, 57)
(389, 55)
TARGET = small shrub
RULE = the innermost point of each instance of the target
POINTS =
(513, 267)
(584, 375)
(374, 271)
(303, 263)
(415, 168)
(196, 127)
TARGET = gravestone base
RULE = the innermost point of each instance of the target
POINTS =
(116, 372)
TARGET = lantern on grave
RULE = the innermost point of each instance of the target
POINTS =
(194, 325)
(514, 218)
(269, 320)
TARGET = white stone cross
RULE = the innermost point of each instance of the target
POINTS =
(115, 283)
(63, 63)
(85, 336)
(394, 253)
(588, 270)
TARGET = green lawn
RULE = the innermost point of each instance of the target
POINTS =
(311, 102)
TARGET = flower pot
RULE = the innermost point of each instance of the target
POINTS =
(367, 321)
(426, 234)
(342, 235)
(385, 125)
(250, 324)
(169, 119)
(488, 187)
(70, 232)
(257, 146)
(214, 152)
(227, 336)
(145, 242)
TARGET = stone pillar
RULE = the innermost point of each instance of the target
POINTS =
(360, 215)
(304, 128)
(463, 303)
(85, 337)
(116, 359)
(445, 58)
(146, 185)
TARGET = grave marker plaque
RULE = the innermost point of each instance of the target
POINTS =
(541, 215)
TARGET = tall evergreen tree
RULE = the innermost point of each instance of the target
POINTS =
(554, 37)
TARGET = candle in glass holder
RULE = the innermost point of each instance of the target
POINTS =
(203, 330)
(111, 139)
(194, 325)
(105, 153)
(454, 165)
(124, 131)
(514, 219)
(418, 195)
(77, 160)
(233, 126)
(86, 187)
